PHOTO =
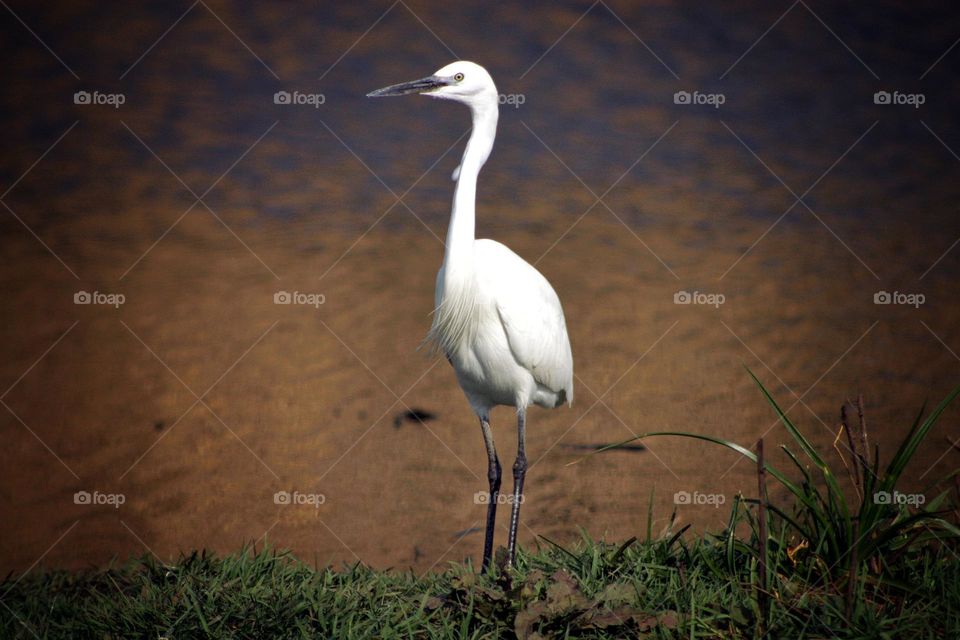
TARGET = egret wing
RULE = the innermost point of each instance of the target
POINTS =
(532, 318)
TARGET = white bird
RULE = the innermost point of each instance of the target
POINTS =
(496, 318)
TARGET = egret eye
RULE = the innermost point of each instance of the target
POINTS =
(458, 77)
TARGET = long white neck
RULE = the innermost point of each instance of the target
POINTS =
(462, 231)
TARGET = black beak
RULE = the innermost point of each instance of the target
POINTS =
(422, 85)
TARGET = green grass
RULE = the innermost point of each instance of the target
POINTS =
(834, 564)
(657, 589)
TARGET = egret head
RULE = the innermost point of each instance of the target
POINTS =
(462, 81)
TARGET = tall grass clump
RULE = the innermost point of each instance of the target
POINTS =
(845, 539)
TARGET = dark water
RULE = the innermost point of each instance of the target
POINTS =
(799, 98)
(291, 187)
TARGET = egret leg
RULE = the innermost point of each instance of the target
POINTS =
(493, 477)
(519, 473)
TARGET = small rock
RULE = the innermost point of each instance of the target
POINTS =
(413, 415)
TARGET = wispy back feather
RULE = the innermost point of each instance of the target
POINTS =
(454, 320)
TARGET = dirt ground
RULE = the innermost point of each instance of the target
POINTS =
(199, 398)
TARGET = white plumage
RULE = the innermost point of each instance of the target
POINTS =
(496, 317)
(504, 332)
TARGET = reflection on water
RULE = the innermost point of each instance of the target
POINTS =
(598, 99)
(200, 196)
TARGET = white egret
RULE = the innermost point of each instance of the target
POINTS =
(496, 318)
